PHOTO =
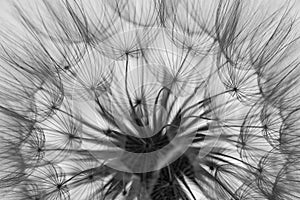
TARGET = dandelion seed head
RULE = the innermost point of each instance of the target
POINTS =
(155, 99)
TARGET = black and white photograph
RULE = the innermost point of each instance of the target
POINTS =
(149, 100)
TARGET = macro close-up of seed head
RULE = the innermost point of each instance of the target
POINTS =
(149, 100)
